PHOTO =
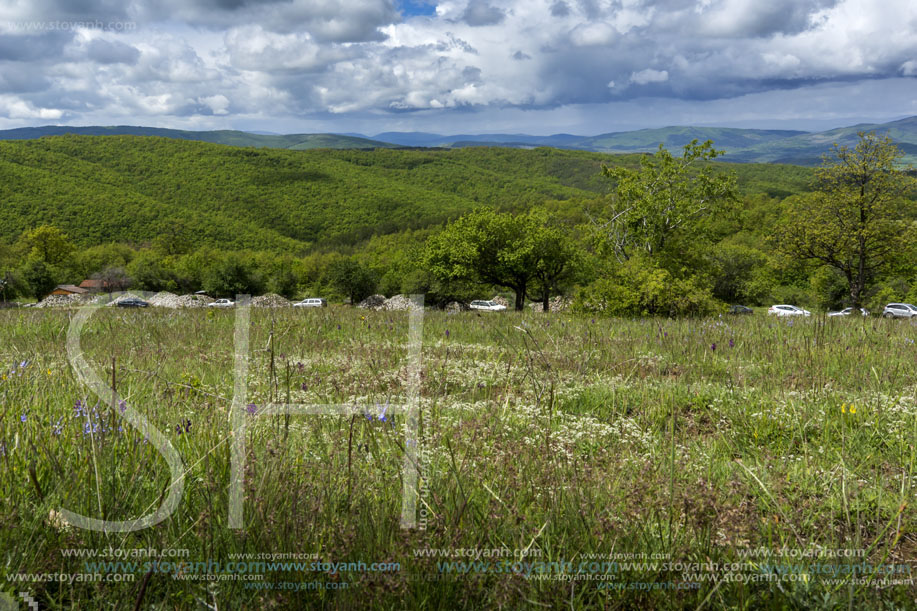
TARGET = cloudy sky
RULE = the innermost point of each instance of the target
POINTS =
(454, 66)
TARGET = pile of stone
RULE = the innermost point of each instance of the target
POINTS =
(271, 300)
(394, 303)
(398, 303)
(501, 301)
(64, 301)
(558, 303)
(373, 302)
(454, 307)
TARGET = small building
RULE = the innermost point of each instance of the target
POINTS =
(68, 289)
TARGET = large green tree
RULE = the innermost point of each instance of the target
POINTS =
(352, 278)
(856, 219)
(47, 244)
(520, 252)
(665, 198)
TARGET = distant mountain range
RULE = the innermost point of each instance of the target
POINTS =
(741, 145)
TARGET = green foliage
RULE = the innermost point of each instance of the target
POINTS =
(231, 275)
(47, 244)
(39, 277)
(637, 287)
(665, 197)
(513, 251)
(351, 278)
(855, 222)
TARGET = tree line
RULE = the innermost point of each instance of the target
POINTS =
(671, 235)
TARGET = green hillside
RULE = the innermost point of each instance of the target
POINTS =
(674, 137)
(130, 189)
(231, 137)
(807, 149)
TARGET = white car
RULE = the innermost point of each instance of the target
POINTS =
(788, 310)
(899, 310)
(491, 306)
(221, 303)
(848, 312)
(311, 302)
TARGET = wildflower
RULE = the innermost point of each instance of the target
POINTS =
(122, 405)
(713, 346)
(731, 343)
(853, 408)
(49, 372)
(22, 418)
(339, 327)
(447, 333)
(304, 386)
(23, 364)
(56, 520)
(251, 409)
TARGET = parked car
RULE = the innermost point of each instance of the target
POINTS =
(739, 309)
(848, 312)
(787, 310)
(491, 306)
(311, 302)
(132, 302)
(221, 303)
(899, 310)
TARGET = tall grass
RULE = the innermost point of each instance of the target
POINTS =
(686, 440)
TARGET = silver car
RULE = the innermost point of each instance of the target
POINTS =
(848, 312)
(491, 306)
(311, 302)
(899, 310)
(787, 310)
(221, 303)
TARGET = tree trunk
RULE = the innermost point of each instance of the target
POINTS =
(545, 301)
(520, 298)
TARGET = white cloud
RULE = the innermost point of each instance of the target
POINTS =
(194, 60)
(649, 76)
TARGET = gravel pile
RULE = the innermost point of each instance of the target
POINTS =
(398, 303)
(557, 304)
(165, 299)
(271, 300)
(373, 302)
(64, 301)
(456, 306)
(501, 300)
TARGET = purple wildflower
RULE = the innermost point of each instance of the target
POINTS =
(713, 346)
(447, 333)
(122, 405)
(22, 418)
(304, 386)
(339, 327)
(251, 409)
(731, 343)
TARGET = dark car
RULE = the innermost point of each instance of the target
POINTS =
(739, 309)
(132, 302)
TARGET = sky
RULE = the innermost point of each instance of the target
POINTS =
(457, 66)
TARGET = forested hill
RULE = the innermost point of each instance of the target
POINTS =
(225, 136)
(100, 189)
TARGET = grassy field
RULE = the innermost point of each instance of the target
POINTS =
(565, 463)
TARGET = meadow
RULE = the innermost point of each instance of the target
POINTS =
(566, 462)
